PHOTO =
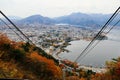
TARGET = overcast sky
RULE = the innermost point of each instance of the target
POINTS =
(54, 8)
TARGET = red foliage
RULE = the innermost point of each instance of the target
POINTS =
(70, 63)
(118, 68)
(50, 65)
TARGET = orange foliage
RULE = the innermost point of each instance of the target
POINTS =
(7, 43)
(4, 39)
(113, 72)
(9, 70)
(73, 78)
(32, 66)
(70, 63)
(118, 68)
(50, 65)
(82, 79)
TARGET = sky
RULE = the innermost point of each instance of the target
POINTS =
(55, 8)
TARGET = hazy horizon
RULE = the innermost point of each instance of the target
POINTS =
(55, 8)
(57, 16)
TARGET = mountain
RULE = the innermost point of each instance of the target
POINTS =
(75, 19)
(14, 18)
(82, 19)
(37, 19)
(85, 19)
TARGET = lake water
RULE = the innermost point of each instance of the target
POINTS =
(104, 51)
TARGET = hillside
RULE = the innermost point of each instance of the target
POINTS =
(19, 60)
(24, 61)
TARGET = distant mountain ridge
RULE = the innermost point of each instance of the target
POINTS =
(37, 19)
(81, 19)
(85, 19)
(76, 19)
(14, 18)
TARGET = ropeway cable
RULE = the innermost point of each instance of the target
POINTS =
(12, 29)
(99, 41)
(103, 28)
(16, 27)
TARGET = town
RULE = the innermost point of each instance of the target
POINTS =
(50, 36)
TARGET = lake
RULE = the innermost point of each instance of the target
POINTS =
(104, 51)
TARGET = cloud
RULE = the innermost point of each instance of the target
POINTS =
(53, 8)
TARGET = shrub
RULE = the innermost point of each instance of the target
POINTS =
(17, 54)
